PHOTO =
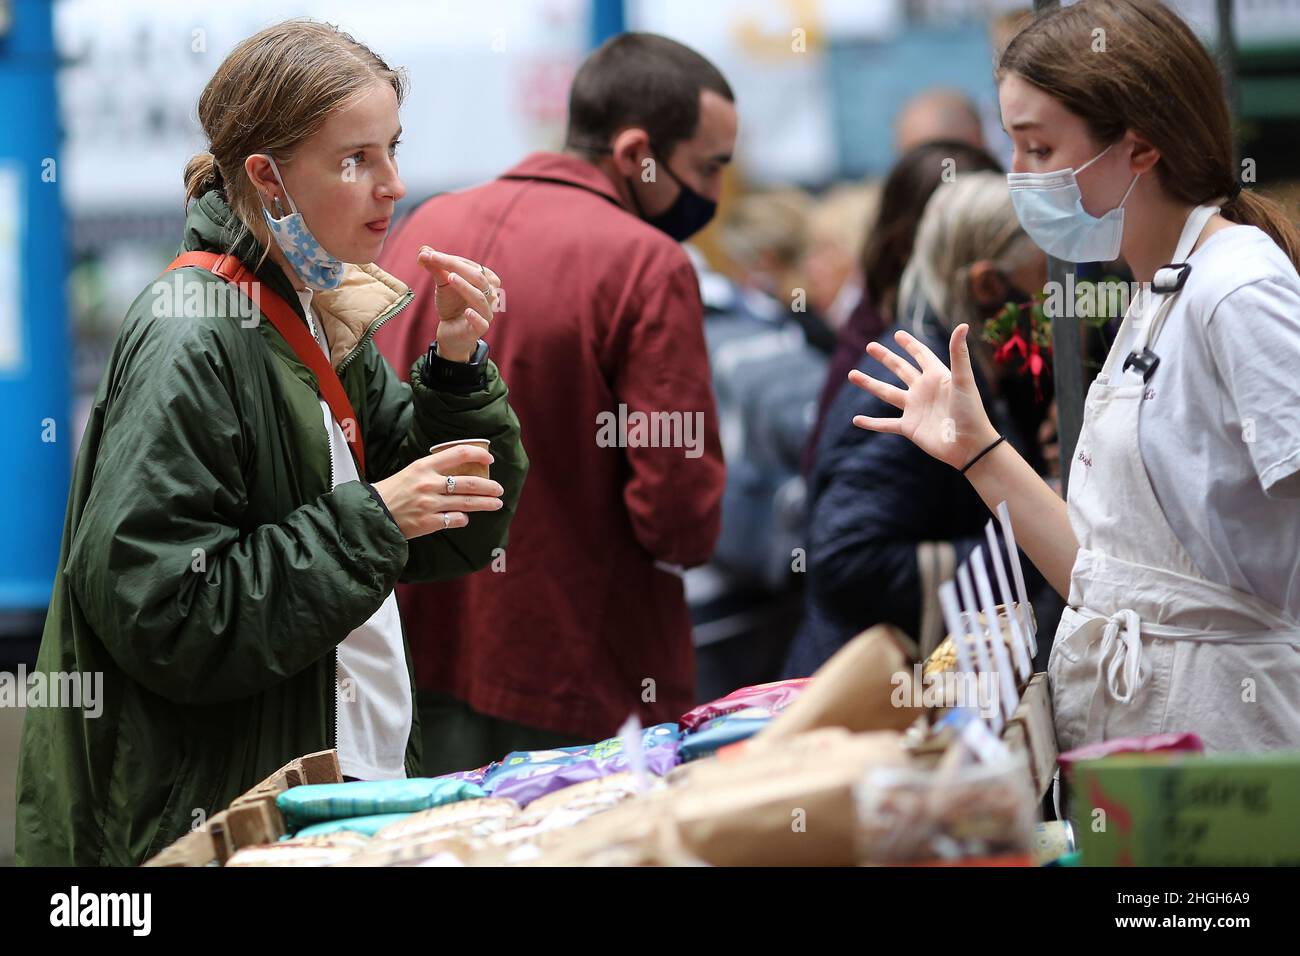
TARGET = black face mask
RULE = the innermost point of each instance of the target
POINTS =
(1013, 294)
(689, 213)
(1018, 295)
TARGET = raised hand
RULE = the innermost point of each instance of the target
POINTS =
(465, 294)
(943, 414)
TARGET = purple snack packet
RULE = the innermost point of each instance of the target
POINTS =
(526, 775)
(539, 780)
(471, 776)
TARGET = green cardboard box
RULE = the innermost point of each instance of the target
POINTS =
(1188, 810)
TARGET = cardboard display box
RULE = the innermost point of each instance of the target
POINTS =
(251, 818)
(1032, 731)
(1188, 810)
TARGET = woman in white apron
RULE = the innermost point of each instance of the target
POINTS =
(1178, 549)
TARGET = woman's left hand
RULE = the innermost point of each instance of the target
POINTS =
(465, 294)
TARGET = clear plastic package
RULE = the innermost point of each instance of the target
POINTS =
(945, 814)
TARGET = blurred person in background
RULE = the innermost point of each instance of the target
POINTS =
(768, 238)
(888, 523)
(766, 376)
(764, 234)
(583, 620)
(884, 254)
(830, 270)
(937, 114)
(235, 528)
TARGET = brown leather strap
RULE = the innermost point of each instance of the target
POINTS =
(294, 331)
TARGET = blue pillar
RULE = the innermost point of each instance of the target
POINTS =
(608, 18)
(36, 429)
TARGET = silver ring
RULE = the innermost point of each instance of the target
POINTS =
(451, 485)
(446, 521)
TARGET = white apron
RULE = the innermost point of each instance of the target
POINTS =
(1147, 645)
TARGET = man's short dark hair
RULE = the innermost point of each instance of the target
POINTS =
(642, 80)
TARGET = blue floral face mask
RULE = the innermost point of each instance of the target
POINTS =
(315, 267)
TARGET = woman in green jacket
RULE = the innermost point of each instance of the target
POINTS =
(228, 556)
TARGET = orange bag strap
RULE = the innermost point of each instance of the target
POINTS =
(294, 331)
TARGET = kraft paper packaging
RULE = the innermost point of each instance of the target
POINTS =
(781, 809)
(855, 689)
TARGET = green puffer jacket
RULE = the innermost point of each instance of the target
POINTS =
(207, 569)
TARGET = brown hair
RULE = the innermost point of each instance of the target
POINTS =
(271, 93)
(1153, 76)
(640, 79)
(907, 189)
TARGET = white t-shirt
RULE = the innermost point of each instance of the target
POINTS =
(1220, 427)
(373, 685)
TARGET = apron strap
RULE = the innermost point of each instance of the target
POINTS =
(1120, 664)
(1192, 229)
(1121, 656)
(1155, 304)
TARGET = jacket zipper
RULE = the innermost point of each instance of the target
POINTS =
(370, 332)
(329, 435)
(333, 738)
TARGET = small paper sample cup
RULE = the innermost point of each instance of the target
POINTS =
(471, 468)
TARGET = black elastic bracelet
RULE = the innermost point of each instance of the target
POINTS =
(1000, 439)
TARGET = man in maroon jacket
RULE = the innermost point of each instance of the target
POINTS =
(582, 619)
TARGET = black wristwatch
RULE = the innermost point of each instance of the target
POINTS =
(459, 378)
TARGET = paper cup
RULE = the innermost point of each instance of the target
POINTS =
(472, 468)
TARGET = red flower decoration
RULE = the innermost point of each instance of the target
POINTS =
(1013, 346)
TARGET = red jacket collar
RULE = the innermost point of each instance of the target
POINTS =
(569, 170)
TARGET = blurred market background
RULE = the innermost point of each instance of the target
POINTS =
(97, 120)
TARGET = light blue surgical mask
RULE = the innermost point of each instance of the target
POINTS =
(1050, 208)
(315, 267)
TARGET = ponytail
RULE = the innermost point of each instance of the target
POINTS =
(201, 174)
(1253, 209)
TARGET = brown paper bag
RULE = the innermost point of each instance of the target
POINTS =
(856, 689)
(781, 808)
